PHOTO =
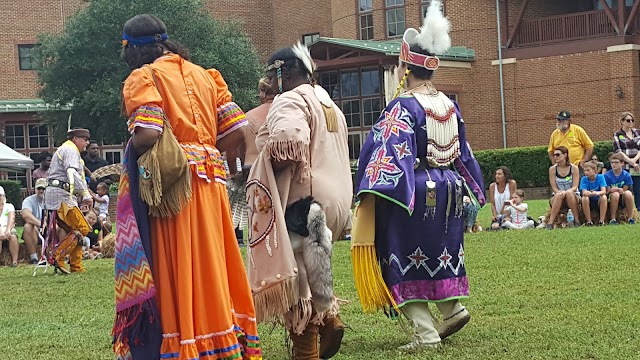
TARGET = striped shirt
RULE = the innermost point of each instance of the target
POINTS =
(629, 146)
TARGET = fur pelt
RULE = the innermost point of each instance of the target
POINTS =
(316, 247)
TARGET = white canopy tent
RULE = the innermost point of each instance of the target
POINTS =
(11, 160)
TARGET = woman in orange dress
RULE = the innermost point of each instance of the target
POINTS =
(193, 279)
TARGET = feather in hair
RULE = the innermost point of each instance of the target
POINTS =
(302, 53)
(434, 33)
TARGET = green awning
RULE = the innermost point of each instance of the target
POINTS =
(28, 105)
(392, 48)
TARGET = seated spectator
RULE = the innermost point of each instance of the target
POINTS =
(101, 201)
(500, 193)
(618, 184)
(602, 168)
(469, 213)
(593, 188)
(93, 240)
(8, 227)
(564, 178)
(32, 207)
(516, 210)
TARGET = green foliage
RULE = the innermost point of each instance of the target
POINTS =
(529, 165)
(82, 66)
(12, 192)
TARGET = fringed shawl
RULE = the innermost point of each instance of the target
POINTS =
(136, 309)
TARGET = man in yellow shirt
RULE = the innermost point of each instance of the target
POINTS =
(573, 137)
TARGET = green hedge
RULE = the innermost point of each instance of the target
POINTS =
(529, 165)
(12, 192)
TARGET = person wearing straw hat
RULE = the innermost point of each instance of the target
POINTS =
(66, 226)
(415, 169)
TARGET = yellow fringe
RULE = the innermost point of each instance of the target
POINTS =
(331, 117)
(298, 151)
(372, 291)
(275, 301)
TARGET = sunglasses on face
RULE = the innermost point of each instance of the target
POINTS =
(629, 120)
(40, 188)
(556, 154)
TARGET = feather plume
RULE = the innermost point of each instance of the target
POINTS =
(434, 33)
(302, 52)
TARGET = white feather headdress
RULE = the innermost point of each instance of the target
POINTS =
(434, 33)
(302, 52)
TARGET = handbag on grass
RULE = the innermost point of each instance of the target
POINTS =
(165, 179)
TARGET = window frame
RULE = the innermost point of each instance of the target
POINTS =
(120, 153)
(425, 5)
(22, 59)
(313, 37)
(387, 10)
(13, 137)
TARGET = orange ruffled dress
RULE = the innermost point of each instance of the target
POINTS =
(205, 302)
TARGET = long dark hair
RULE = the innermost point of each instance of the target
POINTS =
(507, 174)
(144, 25)
(292, 65)
(418, 71)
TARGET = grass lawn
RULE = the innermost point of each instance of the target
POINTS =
(535, 294)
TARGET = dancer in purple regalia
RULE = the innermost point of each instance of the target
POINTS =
(416, 165)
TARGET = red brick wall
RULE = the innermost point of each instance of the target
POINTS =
(20, 23)
(583, 84)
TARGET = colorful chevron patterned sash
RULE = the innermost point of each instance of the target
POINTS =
(136, 308)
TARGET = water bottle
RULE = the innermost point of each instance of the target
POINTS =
(570, 218)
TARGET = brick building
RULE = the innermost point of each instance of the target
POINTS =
(576, 55)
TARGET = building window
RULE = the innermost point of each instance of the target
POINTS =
(395, 18)
(351, 111)
(371, 109)
(309, 38)
(329, 81)
(613, 4)
(14, 136)
(425, 6)
(366, 27)
(453, 97)
(25, 57)
(38, 137)
(350, 83)
(21, 177)
(365, 5)
(365, 21)
(355, 140)
(113, 156)
(370, 82)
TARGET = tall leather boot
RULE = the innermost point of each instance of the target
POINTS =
(65, 247)
(75, 259)
(331, 334)
(305, 346)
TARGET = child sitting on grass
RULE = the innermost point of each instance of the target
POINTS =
(93, 240)
(618, 184)
(593, 189)
(517, 213)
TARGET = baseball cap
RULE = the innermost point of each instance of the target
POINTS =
(42, 182)
(563, 115)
